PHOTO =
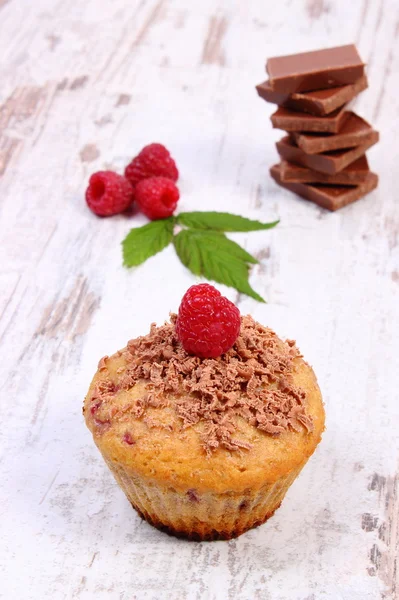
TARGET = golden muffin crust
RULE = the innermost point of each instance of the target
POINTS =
(224, 425)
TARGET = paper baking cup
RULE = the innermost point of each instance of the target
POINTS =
(201, 516)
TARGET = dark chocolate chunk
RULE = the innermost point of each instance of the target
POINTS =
(329, 162)
(331, 197)
(317, 70)
(353, 174)
(291, 120)
(319, 102)
(353, 132)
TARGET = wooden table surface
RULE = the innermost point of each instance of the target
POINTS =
(84, 85)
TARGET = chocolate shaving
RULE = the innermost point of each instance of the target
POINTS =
(102, 365)
(252, 381)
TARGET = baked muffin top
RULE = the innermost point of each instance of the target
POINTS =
(227, 423)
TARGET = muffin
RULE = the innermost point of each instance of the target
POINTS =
(205, 448)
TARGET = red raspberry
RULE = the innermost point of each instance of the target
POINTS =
(153, 161)
(156, 197)
(108, 193)
(207, 324)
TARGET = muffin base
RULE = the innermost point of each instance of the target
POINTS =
(201, 516)
(195, 536)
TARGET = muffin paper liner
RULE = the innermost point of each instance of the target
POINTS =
(201, 515)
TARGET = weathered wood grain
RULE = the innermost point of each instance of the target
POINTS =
(84, 87)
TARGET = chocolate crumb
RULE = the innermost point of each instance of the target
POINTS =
(102, 366)
(252, 381)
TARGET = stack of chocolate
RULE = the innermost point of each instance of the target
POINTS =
(323, 156)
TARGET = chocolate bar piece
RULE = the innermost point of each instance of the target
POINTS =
(319, 102)
(317, 70)
(330, 162)
(291, 120)
(353, 132)
(355, 173)
(331, 197)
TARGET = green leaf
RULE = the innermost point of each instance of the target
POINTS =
(220, 242)
(212, 258)
(143, 242)
(219, 221)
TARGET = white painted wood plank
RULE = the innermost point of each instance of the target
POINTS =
(84, 86)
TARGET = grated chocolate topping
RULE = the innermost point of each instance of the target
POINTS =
(253, 380)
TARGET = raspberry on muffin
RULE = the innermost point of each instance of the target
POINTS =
(207, 323)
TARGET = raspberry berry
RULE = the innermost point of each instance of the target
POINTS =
(207, 324)
(157, 197)
(153, 161)
(108, 193)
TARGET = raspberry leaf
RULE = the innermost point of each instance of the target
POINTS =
(212, 256)
(219, 221)
(220, 243)
(143, 242)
